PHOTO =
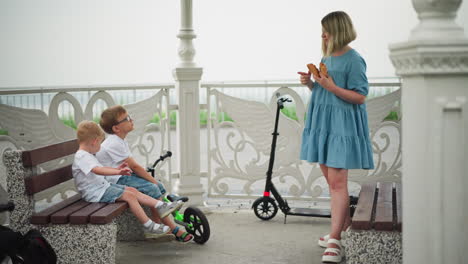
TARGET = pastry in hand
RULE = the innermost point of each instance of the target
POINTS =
(323, 70)
(313, 69)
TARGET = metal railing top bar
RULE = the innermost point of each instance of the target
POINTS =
(277, 85)
(384, 84)
(56, 89)
(50, 89)
(249, 85)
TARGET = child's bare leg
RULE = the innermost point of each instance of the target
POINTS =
(134, 205)
(154, 214)
(151, 202)
(169, 221)
(143, 198)
(132, 197)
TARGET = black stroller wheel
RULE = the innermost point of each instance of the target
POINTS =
(197, 224)
(265, 208)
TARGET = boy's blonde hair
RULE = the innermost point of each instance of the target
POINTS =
(340, 27)
(109, 117)
(87, 131)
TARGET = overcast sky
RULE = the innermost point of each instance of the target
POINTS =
(106, 42)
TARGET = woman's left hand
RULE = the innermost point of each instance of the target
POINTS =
(326, 82)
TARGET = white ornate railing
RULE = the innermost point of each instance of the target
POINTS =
(239, 148)
(237, 151)
(31, 128)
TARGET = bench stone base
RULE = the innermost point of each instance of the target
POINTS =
(128, 226)
(372, 246)
(89, 243)
(81, 243)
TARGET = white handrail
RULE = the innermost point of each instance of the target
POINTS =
(57, 89)
(253, 84)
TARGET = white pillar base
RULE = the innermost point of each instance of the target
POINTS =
(435, 154)
(188, 133)
(193, 191)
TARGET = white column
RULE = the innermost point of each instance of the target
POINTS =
(433, 65)
(187, 83)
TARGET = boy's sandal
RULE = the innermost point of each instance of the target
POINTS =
(184, 238)
(162, 230)
(337, 252)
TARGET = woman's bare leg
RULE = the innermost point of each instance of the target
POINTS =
(324, 169)
(338, 179)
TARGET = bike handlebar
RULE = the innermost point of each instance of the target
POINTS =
(161, 158)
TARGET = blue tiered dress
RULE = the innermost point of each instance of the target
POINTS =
(336, 132)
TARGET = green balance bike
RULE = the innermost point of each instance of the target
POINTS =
(193, 219)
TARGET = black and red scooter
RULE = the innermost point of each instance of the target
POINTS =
(265, 207)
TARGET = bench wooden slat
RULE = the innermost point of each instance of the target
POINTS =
(37, 183)
(384, 210)
(61, 217)
(106, 214)
(399, 216)
(48, 153)
(43, 217)
(81, 216)
(362, 218)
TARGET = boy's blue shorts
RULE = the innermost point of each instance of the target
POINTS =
(112, 193)
(142, 185)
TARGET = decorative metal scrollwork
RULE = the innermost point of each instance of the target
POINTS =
(242, 146)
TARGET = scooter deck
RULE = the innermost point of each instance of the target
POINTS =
(315, 212)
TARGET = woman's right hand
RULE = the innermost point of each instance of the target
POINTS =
(305, 79)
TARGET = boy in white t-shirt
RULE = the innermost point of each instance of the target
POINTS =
(90, 181)
(116, 122)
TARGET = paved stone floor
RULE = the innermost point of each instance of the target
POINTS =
(237, 236)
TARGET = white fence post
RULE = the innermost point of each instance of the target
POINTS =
(187, 83)
(433, 64)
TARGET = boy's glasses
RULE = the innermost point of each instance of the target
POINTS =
(128, 118)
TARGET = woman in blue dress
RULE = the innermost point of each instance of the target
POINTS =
(336, 133)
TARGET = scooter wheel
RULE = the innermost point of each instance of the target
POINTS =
(198, 224)
(265, 208)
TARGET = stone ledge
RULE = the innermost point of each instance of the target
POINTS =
(370, 246)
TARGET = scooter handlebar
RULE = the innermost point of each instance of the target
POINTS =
(282, 100)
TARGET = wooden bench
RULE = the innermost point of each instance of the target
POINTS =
(79, 231)
(375, 233)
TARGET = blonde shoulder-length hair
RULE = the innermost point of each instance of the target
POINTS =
(339, 26)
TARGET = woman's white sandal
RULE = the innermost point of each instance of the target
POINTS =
(323, 241)
(338, 251)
